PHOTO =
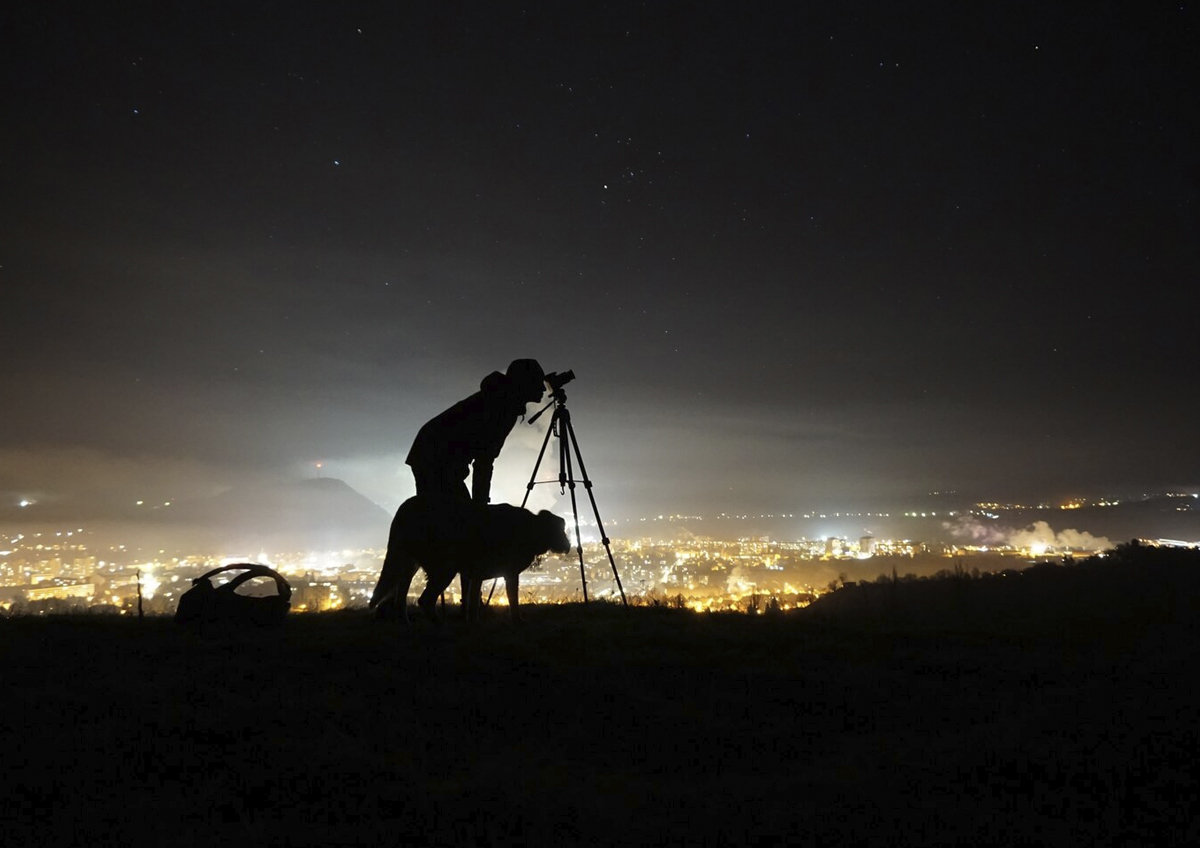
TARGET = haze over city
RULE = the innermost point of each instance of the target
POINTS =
(798, 256)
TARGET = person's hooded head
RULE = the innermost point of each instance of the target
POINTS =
(526, 379)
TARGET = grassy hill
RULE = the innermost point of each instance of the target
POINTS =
(1129, 589)
(596, 725)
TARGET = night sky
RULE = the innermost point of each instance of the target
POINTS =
(796, 253)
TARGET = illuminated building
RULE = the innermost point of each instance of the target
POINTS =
(74, 590)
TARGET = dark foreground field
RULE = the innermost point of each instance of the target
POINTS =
(593, 726)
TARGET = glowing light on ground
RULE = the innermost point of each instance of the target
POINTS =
(150, 585)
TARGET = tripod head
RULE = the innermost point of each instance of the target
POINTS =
(555, 381)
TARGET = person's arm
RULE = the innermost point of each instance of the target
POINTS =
(481, 480)
(495, 421)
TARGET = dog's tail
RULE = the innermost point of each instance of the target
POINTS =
(385, 587)
(394, 579)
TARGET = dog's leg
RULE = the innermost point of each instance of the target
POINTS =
(464, 590)
(435, 584)
(428, 604)
(404, 581)
(512, 585)
(474, 590)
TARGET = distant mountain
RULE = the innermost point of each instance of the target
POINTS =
(318, 514)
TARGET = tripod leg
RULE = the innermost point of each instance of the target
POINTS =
(587, 484)
(538, 464)
(564, 460)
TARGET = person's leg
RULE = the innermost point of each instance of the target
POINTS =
(438, 483)
(456, 523)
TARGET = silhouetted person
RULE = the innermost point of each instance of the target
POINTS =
(467, 438)
(471, 433)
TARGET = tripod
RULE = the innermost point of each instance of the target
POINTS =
(560, 427)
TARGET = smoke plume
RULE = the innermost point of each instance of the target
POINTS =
(1038, 535)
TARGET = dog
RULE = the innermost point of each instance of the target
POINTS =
(480, 544)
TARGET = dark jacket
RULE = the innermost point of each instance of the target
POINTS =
(473, 430)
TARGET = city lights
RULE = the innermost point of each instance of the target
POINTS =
(731, 567)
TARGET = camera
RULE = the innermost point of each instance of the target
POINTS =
(556, 380)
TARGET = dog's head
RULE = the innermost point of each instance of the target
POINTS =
(552, 533)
